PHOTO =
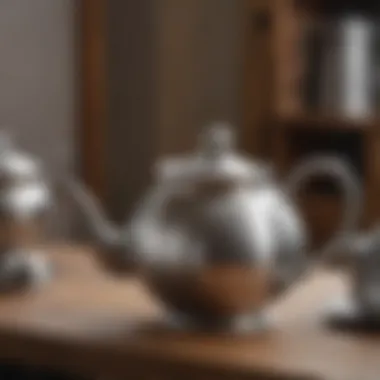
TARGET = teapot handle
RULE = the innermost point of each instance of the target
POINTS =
(336, 168)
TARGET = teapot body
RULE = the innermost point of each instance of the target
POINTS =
(236, 250)
(217, 238)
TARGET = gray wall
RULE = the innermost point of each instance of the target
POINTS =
(37, 78)
(199, 56)
(174, 65)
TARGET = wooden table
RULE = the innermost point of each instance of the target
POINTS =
(91, 323)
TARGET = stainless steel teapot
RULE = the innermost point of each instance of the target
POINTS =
(217, 238)
(25, 199)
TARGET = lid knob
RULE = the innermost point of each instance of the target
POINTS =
(217, 138)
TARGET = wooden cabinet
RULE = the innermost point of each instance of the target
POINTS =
(278, 123)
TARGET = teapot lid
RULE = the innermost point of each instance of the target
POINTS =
(214, 159)
(15, 165)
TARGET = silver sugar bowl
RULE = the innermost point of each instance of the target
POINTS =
(25, 201)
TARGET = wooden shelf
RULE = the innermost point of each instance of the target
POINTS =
(306, 120)
(276, 102)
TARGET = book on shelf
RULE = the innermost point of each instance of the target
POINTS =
(341, 65)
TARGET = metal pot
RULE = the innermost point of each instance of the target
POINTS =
(25, 201)
(218, 238)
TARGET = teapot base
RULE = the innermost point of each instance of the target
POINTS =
(24, 269)
(349, 316)
(251, 323)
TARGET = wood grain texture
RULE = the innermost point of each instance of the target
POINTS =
(258, 74)
(90, 323)
(286, 28)
(94, 92)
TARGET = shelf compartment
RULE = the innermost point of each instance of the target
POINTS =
(307, 66)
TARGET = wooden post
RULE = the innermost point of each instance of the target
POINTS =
(94, 107)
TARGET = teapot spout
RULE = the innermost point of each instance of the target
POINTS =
(105, 232)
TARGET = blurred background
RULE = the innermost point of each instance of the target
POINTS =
(102, 88)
